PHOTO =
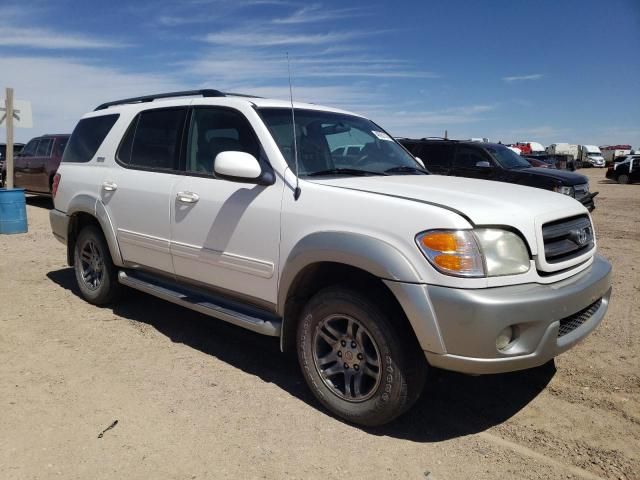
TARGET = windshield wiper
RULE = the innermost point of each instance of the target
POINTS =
(407, 169)
(344, 171)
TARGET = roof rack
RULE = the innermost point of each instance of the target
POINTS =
(149, 98)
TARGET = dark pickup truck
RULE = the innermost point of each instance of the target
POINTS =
(493, 161)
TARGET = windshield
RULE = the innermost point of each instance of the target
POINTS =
(336, 143)
(507, 158)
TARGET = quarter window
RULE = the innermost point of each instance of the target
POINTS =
(87, 138)
(153, 139)
(216, 130)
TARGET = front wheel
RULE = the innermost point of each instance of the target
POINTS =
(95, 273)
(623, 179)
(356, 359)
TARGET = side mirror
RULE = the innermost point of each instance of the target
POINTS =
(483, 164)
(419, 160)
(241, 167)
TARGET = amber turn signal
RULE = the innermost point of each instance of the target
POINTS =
(446, 242)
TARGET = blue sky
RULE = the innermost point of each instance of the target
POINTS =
(549, 71)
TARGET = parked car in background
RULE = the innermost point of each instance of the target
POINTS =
(626, 171)
(17, 148)
(492, 161)
(35, 166)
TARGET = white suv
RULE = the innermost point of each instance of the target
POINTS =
(372, 270)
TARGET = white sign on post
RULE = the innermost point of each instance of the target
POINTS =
(21, 114)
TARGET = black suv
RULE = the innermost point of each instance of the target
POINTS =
(493, 161)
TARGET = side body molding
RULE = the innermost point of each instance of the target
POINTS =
(94, 207)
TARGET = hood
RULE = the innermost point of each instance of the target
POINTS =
(562, 176)
(483, 202)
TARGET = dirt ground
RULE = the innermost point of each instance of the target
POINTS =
(195, 398)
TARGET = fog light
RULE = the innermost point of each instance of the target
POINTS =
(504, 338)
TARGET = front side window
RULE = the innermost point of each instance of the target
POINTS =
(87, 137)
(328, 142)
(153, 139)
(44, 147)
(469, 157)
(216, 130)
(30, 149)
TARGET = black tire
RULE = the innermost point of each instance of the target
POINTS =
(623, 179)
(95, 273)
(376, 394)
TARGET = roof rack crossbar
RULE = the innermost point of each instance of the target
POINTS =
(149, 98)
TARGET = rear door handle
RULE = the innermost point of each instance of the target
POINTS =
(187, 197)
(109, 186)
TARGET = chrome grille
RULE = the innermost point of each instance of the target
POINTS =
(567, 238)
(569, 324)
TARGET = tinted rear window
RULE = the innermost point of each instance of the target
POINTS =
(87, 138)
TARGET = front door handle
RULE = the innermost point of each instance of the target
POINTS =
(109, 186)
(187, 197)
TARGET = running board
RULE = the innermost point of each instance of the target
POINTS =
(242, 316)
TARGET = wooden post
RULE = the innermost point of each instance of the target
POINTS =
(9, 113)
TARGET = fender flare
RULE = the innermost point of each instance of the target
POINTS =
(367, 253)
(87, 204)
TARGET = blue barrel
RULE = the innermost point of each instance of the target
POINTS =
(13, 211)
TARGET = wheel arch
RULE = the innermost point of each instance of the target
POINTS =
(84, 210)
(328, 258)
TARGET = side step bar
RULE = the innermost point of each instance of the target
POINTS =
(242, 316)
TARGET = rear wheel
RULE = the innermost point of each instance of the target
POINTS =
(623, 179)
(355, 359)
(95, 273)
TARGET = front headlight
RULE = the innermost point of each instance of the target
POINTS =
(504, 252)
(486, 252)
(565, 190)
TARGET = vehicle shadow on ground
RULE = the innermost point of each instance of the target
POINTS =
(40, 201)
(452, 405)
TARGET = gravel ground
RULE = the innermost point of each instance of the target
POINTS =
(195, 398)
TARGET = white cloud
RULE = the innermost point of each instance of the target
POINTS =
(317, 13)
(243, 66)
(520, 78)
(62, 89)
(255, 38)
(49, 39)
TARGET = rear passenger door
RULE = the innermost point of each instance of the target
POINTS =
(225, 234)
(138, 194)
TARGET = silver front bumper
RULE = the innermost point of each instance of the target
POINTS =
(469, 321)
